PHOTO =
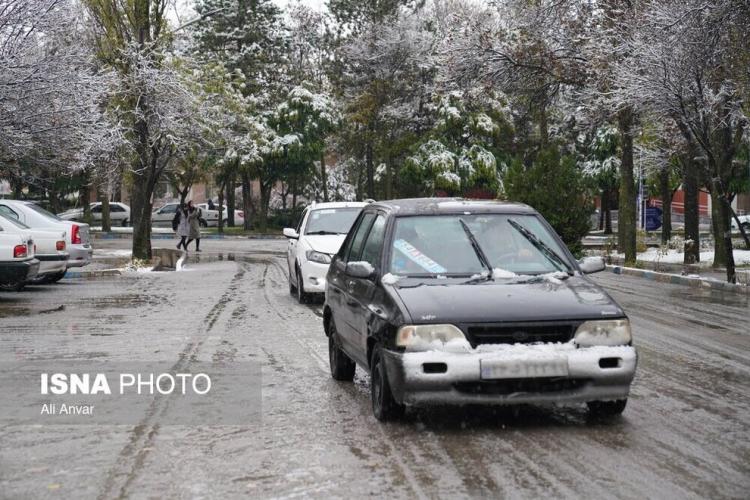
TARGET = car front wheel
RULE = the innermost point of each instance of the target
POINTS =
(124, 222)
(342, 367)
(384, 407)
(607, 408)
(302, 295)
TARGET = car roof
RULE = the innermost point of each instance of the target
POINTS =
(434, 206)
(337, 204)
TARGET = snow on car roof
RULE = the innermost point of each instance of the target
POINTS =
(417, 206)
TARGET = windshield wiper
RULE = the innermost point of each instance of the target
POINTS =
(323, 232)
(551, 255)
(478, 249)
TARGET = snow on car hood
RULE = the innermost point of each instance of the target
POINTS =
(326, 243)
(498, 300)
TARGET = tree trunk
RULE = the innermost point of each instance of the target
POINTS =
(608, 211)
(140, 213)
(725, 209)
(265, 198)
(324, 176)
(220, 222)
(370, 168)
(294, 193)
(247, 202)
(666, 205)
(691, 211)
(718, 228)
(626, 234)
(230, 199)
(600, 224)
(86, 198)
(103, 196)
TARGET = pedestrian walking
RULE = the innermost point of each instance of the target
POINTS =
(181, 225)
(193, 219)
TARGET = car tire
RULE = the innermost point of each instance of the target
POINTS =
(13, 288)
(384, 407)
(607, 408)
(54, 278)
(342, 367)
(302, 295)
(124, 222)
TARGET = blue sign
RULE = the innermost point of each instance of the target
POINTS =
(653, 218)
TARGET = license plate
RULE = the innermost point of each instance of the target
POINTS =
(523, 368)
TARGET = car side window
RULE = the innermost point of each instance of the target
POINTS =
(168, 209)
(374, 245)
(96, 210)
(359, 237)
(116, 208)
(9, 212)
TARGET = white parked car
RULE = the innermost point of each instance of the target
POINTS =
(49, 247)
(210, 217)
(744, 220)
(17, 261)
(77, 239)
(321, 230)
(119, 213)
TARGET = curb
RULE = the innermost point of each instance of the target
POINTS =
(677, 279)
(92, 274)
(166, 236)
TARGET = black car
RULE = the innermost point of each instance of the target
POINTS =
(472, 302)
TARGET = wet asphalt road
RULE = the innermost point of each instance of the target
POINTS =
(684, 434)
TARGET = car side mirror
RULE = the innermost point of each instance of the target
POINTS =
(291, 233)
(360, 269)
(591, 265)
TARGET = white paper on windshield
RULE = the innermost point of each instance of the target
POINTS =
(418, 257)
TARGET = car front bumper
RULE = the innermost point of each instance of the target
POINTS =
(80, 255)
(415, 381)
(314, 276)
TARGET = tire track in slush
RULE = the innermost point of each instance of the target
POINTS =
(133, 455)
(415, 444)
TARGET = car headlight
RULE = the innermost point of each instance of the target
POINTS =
(431, 337)
(603, 332)
(319, 257)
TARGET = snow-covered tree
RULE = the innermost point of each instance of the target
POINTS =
(52, 94)
(685, 63)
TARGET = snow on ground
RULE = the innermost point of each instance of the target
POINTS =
(741, 257)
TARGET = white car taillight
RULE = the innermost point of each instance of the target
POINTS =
(20, 251)
(75, 235)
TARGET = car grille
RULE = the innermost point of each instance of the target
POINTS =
(529, 385)
(519, 333)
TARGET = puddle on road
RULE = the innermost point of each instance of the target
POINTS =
(712, 296)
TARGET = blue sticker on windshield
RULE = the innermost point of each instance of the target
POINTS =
(418, 257)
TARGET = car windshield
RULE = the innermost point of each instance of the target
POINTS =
(442, 245)
(331, 220)
(42, 211)
(15, 222)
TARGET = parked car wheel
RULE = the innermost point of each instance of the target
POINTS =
(384, 407)
(124, 222)
(302, 295)
(342, 367)
(12, 288)
(54, 278)
(607, 408)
